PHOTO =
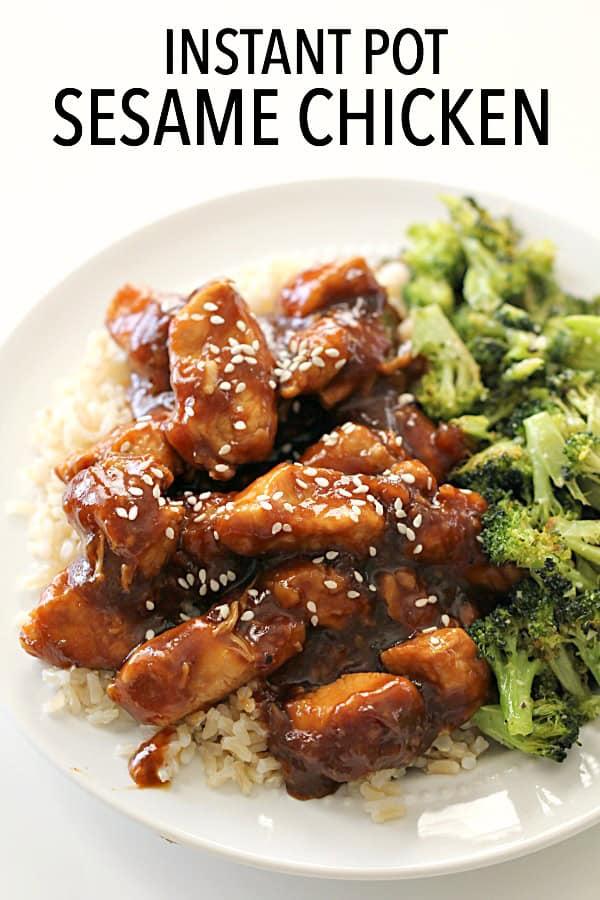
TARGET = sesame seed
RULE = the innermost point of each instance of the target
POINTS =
(318, 560)
(214, 584)
(410, 534)
(225, 449)
(340, 364)
(241, 326)
(217, 320)
(422, 601)
(202, 590)
(169, 533)
(121, 512)
(183, 583)
(221, 467)
(149, 605)
(190, 578)
(225, 386)
(264, 504)
(231, 576)
(332, 352)
(223, 579)
(314, 621)
(158, 473)
(372, 551)
(318, 362)
(310, 471)
(311, 606)
(300, 483)
(224, 610)
(210, 307)
(418, 521)
(372, 587)
(330, 585)
(229, 368)
(149, 634)
(322, 482)
(196, 317)
(156, 492)
(133, 513)
(358, 577)
(418, 549)
(202, 575)
(247, 616)
(287, 527)
(239, 425)
(135, 492)
(432, 599)
(215, 534)
(277, 495)
(352, 595)
(276, 528)
(332, 554)
(408, 478)
(429, 630)
(445, 620)
(240, 387)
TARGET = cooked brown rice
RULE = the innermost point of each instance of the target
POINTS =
(229, 738)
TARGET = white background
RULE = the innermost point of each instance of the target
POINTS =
(61, 206)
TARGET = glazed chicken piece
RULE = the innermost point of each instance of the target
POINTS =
(440, 447)
(344, 730)
(336, 352)
(82, 619)
(143, 437)
(407, 599)
(447, 661)
(118, 505)
(138, 320)
(202, 565)
(355, 449)
(245, 636)
(316, 288)
(297, 508)
(222, 376)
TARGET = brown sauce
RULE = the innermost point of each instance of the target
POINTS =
(149, 758)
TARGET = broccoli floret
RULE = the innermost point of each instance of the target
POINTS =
(574, 341)
(436, 251)
(582, 537)
(452, 384)
(502, 469)
(582, 465)
(473, 221)
(509, 535)
(424, 290)
(501, 639)
(536, 606)
(476, 427)
(579, 623)
(555, 728)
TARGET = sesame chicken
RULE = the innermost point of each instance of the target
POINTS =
(336, 352)
(344, 730)
(314, 289)
(355, 449)
(333, 574)
(446, 660)
(138, 320)
(142, 437)
(118, 505)
(83, 619)
(222, 375)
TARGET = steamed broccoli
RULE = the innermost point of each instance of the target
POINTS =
(451, 384)
(579, 622)
(574, 341)
(502, 640)
(424, 289)
(555, 728)
(500, 470)
(510, 535)
(436, 250)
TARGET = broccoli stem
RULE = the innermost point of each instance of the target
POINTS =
(515, 683)
(562, 665)
(546, 448)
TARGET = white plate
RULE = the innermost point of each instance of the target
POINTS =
(510, 805)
